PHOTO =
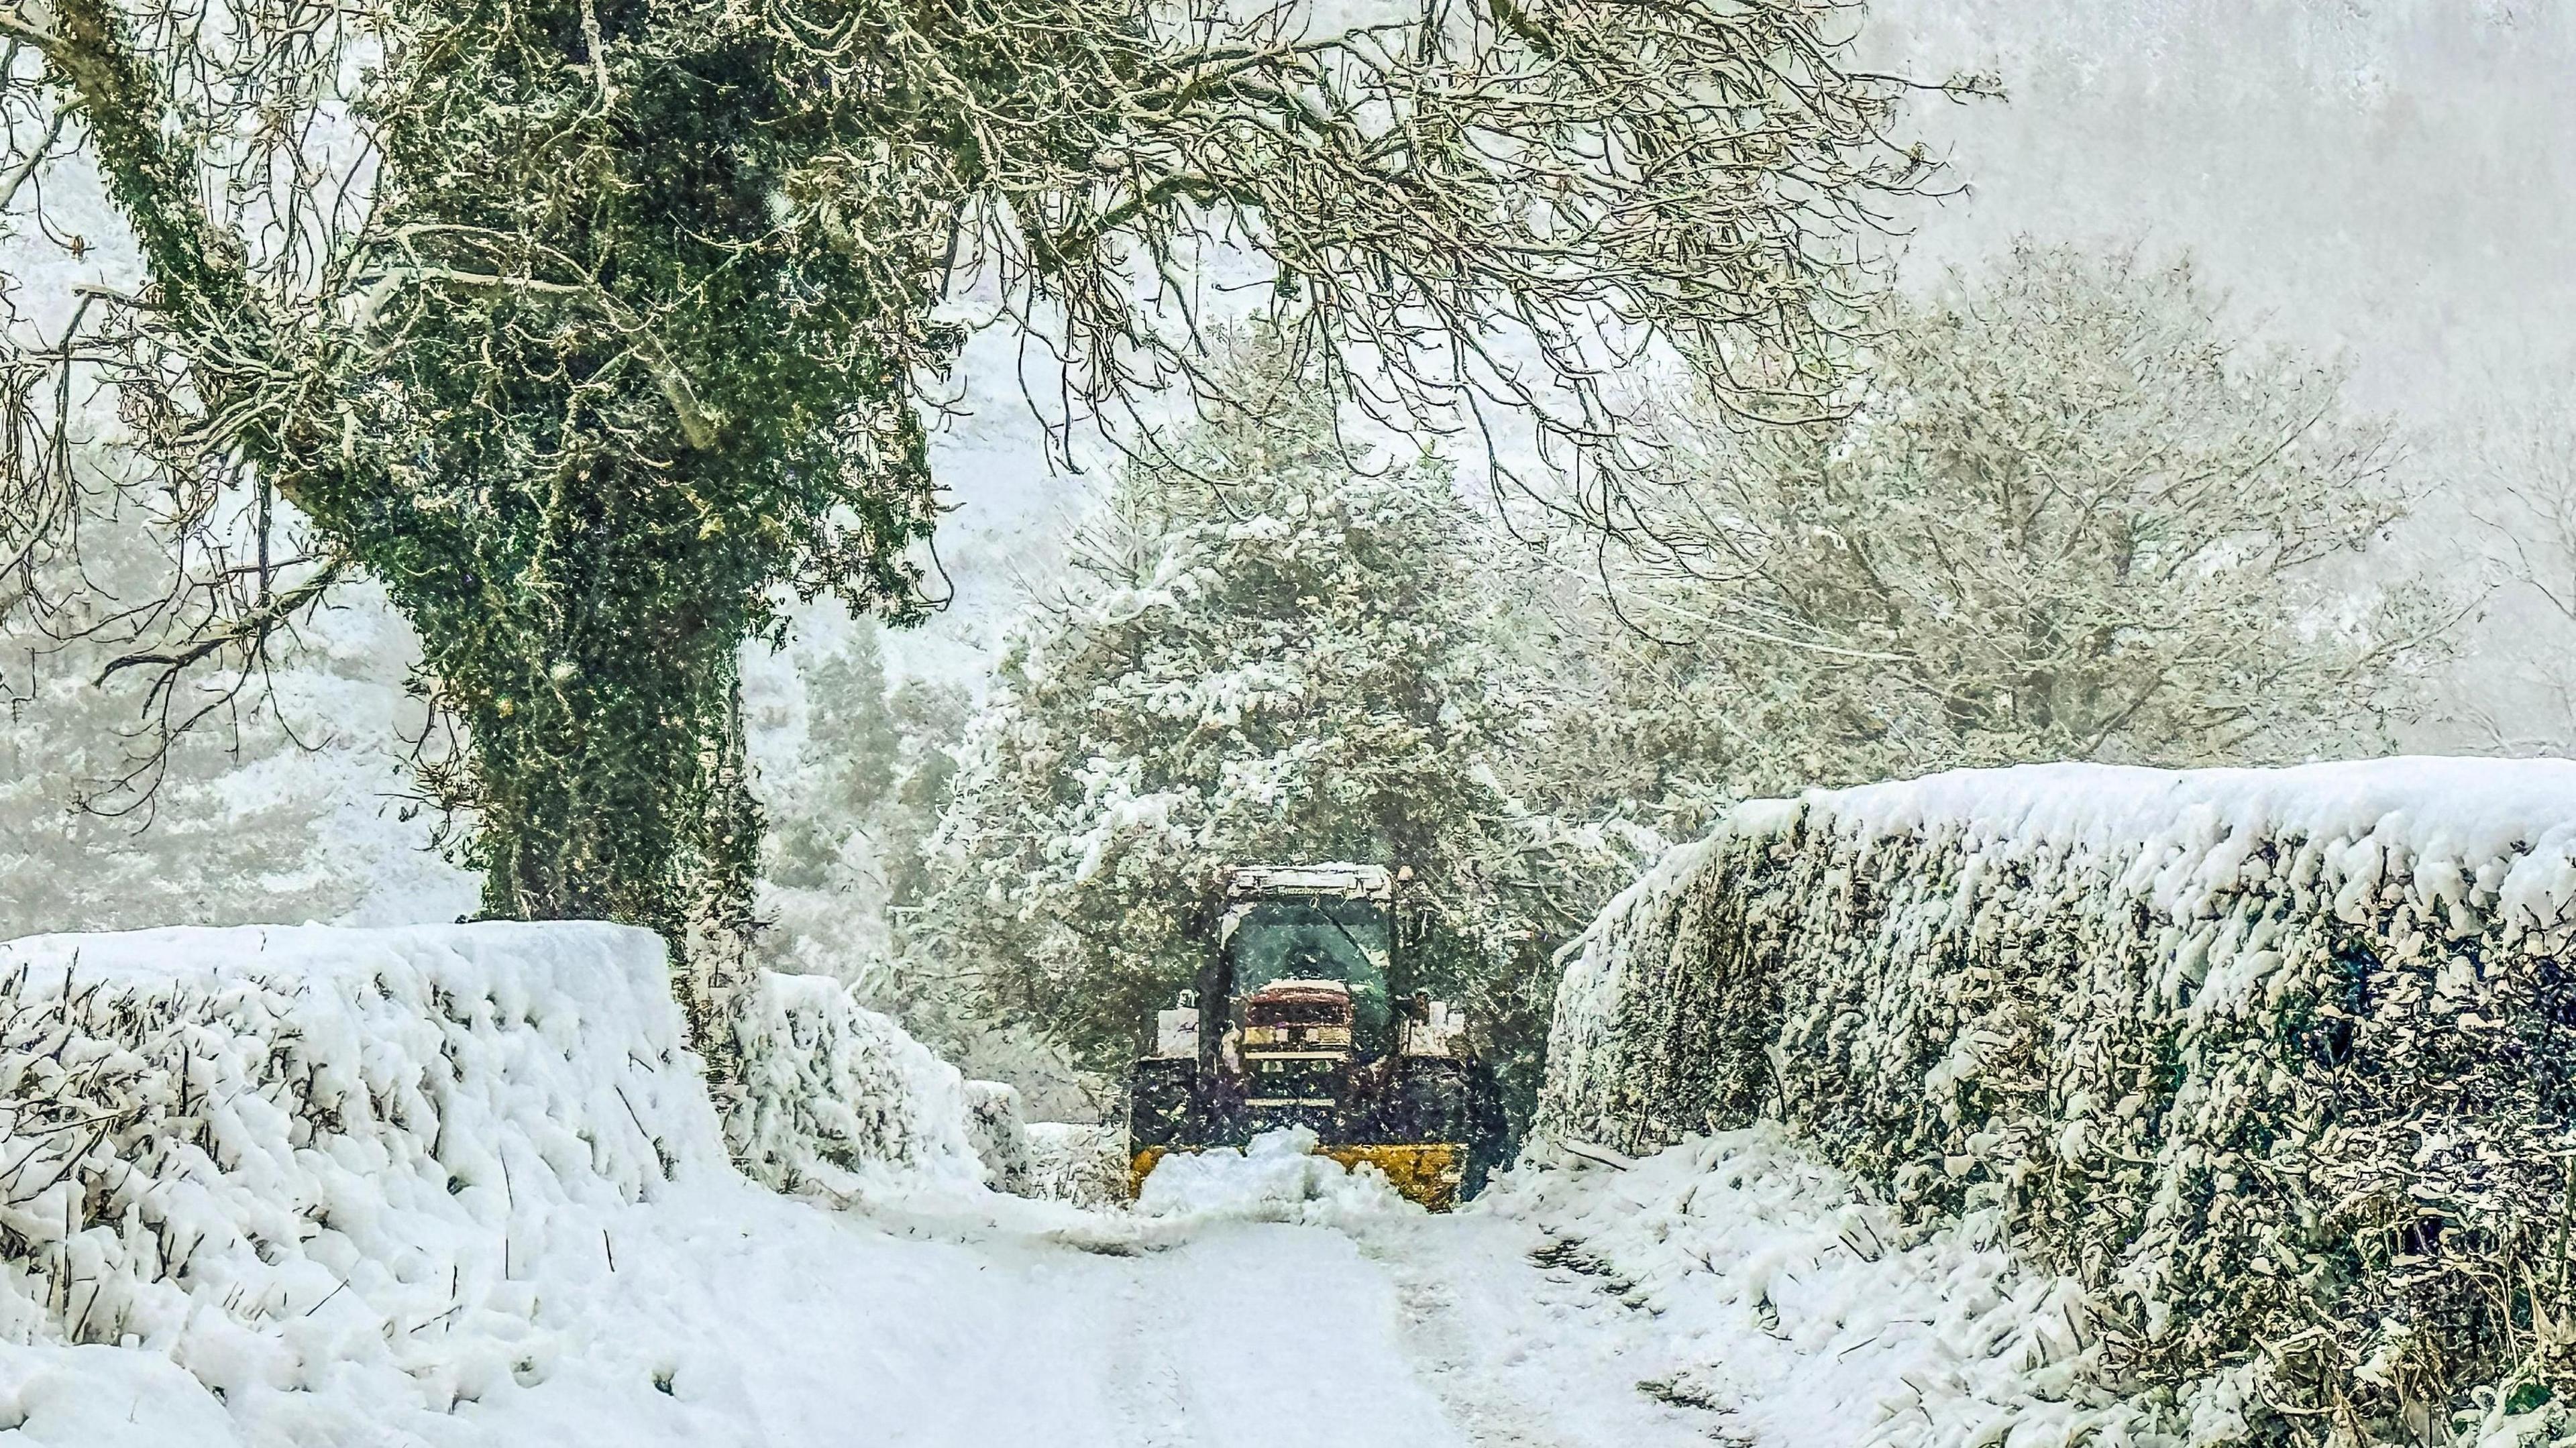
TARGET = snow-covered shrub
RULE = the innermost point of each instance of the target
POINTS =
(2279, 1064)
(1073, 1162)
(1001, 1138)
(831, 1091)
(276, 1154)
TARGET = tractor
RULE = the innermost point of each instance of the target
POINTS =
(1302, 1016)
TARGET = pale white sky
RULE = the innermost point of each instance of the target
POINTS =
(2394, 179)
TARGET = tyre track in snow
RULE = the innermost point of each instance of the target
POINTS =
(1364, 1329)
(1523, 1356)
(1227, 1334)
(1144, 1384)
(1487, 1407)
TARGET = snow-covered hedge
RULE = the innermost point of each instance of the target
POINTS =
(832, 1092)
(282, 1157)
(2279, 1064)
(278, 1154)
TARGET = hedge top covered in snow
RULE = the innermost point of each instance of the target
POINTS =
(836, 1096)
(2424, 802)
(2188, 831)
(611, 970)
(324, 949)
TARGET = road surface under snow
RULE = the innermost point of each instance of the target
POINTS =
(1725, 1291)
(1353, 1328)
(1730, 1290)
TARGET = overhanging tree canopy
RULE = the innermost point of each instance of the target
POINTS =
(586, 325)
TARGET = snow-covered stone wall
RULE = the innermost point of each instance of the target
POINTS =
(2279, 1064)
(331, 1171)
(275, 1153)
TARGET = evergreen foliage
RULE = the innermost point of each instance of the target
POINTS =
(845, 773)
(1276, 651)
(858, 788)
(854, 771)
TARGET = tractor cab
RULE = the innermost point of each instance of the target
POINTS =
(1297, 1021)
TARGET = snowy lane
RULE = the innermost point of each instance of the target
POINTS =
(1729, 1291)
(1057, 1328)
(1242, 1335)
(1569, 1310)
(1260, 1335)
(1366, 1329)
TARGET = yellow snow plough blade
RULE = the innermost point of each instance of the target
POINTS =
(1425, 1172)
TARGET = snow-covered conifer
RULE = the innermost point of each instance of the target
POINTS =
(1274, 650)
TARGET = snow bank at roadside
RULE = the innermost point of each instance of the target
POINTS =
(1786, 1301)
(2279, 1064)
(215, 1133)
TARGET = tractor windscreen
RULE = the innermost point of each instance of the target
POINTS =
(1345, 940)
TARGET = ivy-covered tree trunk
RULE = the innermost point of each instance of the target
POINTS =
(719, 873)
(589, 765)
(615, 804)
(592, 653)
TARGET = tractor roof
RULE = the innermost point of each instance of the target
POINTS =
(1367, 882)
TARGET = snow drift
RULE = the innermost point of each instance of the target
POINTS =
(329, 1181)
(1276, 1177)
(2277, 1064)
